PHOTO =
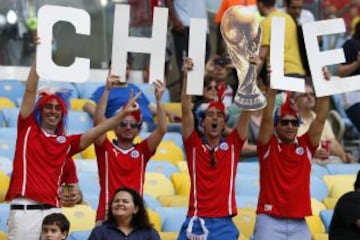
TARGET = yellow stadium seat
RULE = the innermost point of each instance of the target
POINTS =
(156, 184)
(330, 180)
(340, 188)
(155, 219)
(183, 167)
(81, 217)
(168, 235)
(3, 236)
(174, 201)
(77, 104)
(5, 181)
(321, 236)
(243, 237)
(181, 182)
(6, 102)
(330, 202)
(167, 150)
(245, 221)
(173, 108)
(314, 222)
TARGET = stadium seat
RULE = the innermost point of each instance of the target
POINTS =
(89, 152)
(168, 235)
(81, 217)
(79, 235)
(10, 116)
(89, 183)
(175, 137)
(340, 168)
(163, 167)
(78, 122)
(330, 202)
(7, 148)
(156, 184)
(6, 165)
(12, 89)
(314, 221)
(8, 132)
(6, 102)
(167, 150)
(182, 166)
(88, 165)
(321, 236)
(326, 216)
(330, 180)
(155, 219)
(172, 218)
(318, 188)
(247, 185)
(174, 108)
(5, 181)
(3, 236)
(85, 90)
(148, 91)
(245, 221)
(91, 199)
(340, 188)
(181, 182)
(246, 201)
(248, 168)
(4, 215)
(151, 202)
(318, 170)
(77, 104)
(174, 201)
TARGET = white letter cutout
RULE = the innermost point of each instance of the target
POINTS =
(277, 43)
(197, 47)
(123, 43)
(318, 59)
(48, 15)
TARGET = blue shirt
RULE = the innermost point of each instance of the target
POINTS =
(119, 96)
(109, 231)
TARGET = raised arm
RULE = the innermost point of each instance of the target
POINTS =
(267, 122)
(321, 110)
(243, 123)
(177, 24)
(91, 135)
(347, 69)
(156, 136)
(28, 101)
(187, 118)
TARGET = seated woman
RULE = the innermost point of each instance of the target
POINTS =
(127, 219)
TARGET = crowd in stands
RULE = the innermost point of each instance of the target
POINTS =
(126, 162)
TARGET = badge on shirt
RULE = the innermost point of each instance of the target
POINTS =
(135, 154)
(60, 139)
(224, 146)
(299, 150)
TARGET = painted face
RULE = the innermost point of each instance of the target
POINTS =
(123, 206)
(306, 100)
(295, 7)
(51, 115)
(214, 122)
(52, 232)
(287, 128)
(210, 91)
(127, 129)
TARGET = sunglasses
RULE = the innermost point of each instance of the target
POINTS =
(131, 124)
(285, 122)
(208, 88)
(213, 160)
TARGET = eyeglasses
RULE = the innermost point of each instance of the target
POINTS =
(211, 87)
(49, 106)
(213, 160)
(127, 123)
(285, 122)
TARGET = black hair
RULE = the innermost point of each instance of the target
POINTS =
(268, 3)
(357, 182)
(140, 219)
(58, 219)
(357, 31)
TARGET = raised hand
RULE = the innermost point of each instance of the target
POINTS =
(159, 89)
(111, 81)
(188, 64)
(132, 105)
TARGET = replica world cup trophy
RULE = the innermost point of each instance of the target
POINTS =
(241, 32)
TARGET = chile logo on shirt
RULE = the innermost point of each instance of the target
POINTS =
(135, 154)
(224, 146)
(60, 139)
(299, 151)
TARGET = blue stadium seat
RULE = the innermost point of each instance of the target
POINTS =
(247, 185)
(9, 133)
(92, 200)
(151, 202)
(4, 214)
(12, 89)
(164, 167)
(6, 165)
(318, 188)
(7, 148)
(318, 170)
(79, 122)
(89, 183)
(246, 201)
(79, 235)
(171, 218)
(10, 116)
(326, 216)
(85, 90)
(89, 165)
(148, 90)
(248, 168)
(341, 168)
(175, 137)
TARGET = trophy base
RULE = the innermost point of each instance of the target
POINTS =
(250, 102)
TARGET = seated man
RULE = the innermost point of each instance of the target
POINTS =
(334, 151)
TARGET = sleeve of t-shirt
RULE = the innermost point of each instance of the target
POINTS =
(236, 139)
(70, 174)
(191, 140)
(306, 138)
(266, 29)
(261, 149)
(74, 144)
(144, 149)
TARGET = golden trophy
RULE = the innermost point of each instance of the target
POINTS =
(241, 32)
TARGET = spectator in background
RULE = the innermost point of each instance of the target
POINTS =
(351, 67)
(334, 152)
(212, 161)
(55, 226)
(120, 161)
(127, 218)
(284, 198)
(345, 223)
(292, 59)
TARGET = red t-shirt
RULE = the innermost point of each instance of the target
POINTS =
(285, 178)
(39, 162)
(212, 192)
(120, 168)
